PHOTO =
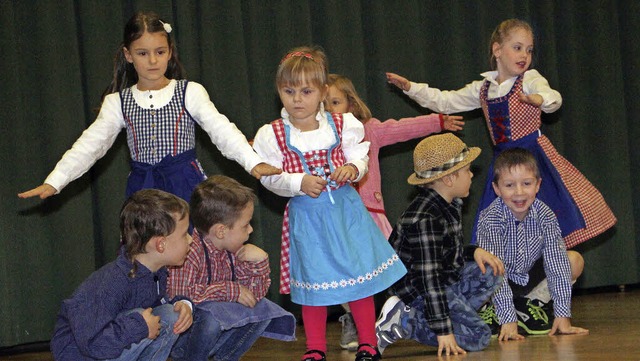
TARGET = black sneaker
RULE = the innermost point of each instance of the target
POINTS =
(534, 316)
(488, 314)
(364, 354)
(314, 355)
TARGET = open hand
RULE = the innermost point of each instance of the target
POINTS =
(264, 169)
(399, 81)
(43, 191)
(449, 346)
(452, 122)
(509, 331)
(562, 326)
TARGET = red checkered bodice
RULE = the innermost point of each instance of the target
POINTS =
(507, 117)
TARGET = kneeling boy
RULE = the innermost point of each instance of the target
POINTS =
(436, 302)
(524, 233)
(226, 278)
(121, 312)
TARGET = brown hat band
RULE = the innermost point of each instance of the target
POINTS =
(447, 165)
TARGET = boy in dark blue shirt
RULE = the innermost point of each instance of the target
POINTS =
(121, 312)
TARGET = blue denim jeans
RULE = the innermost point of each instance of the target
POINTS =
(465, 297)
(159, 348)
(206, 338)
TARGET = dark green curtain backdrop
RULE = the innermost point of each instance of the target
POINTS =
(57, 59)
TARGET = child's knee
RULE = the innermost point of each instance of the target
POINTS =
(577, 264)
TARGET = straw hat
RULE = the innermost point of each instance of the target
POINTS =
(439, 155)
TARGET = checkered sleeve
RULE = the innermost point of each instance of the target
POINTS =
(556, 264)
(192, 278)
(254, 276)
(491, 237)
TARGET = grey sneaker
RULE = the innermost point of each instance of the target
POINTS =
(388, 327)
(349, 337)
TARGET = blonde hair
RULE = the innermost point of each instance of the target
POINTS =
(356, 106)
(305, 63)
(501, 33)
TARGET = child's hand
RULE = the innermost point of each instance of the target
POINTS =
(251, 253)
(312, 185)
(43, 191)
(246, 297)
(483, 257)
(400, 82)
(533, 99)
(452, 123)
(448, 344)
(153, 323)
(562, 326)
(509, 331)
(264, 169)
(185, 319)
(347, 172)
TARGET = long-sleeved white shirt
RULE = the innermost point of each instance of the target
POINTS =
(288, 184)
(98, 138)
(468, 98)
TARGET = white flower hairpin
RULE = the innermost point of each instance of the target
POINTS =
(167, 27)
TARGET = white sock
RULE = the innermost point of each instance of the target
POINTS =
(540, 292)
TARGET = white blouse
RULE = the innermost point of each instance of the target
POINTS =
(98, 138)
(288, 184)
(468, 98)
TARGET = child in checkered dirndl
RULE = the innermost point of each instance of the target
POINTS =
(159, 110)
(333, 252)
(512, 98)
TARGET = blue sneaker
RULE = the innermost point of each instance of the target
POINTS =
(388, 327)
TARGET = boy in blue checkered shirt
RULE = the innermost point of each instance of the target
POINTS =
(524, 233)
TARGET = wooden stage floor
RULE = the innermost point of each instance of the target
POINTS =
(613, 319)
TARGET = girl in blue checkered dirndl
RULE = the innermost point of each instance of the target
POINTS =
(159, 109)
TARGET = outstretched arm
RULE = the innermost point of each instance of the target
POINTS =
(43, 191)
(399, 81)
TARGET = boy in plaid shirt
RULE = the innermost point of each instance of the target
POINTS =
(436, 302)
(226, 278)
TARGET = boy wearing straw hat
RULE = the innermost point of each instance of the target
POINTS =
(435, 303)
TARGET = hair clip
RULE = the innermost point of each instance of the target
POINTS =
(167, 27)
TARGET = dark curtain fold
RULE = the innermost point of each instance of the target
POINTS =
(57, 60)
